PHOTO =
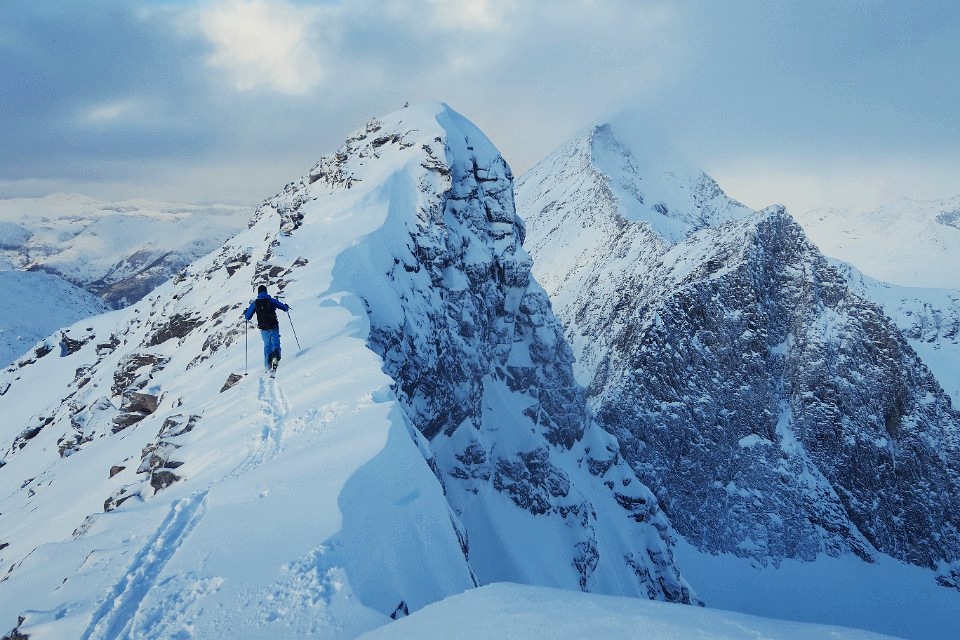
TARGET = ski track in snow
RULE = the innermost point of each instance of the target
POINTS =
(273, 410)
(121, 615)
(115, 618)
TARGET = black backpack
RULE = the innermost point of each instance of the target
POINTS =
(266, 314)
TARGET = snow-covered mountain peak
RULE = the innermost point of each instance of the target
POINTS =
(776, 414)
(424, 434)
(637, 175)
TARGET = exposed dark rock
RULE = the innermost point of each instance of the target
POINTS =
(237, 262)
(158, 455)
(104, 348)
(162, 479)
(68, 446)
(15, 633)
(134, 371)
(29, 434)
(115, 469)
(402, 611)
(42, 350)
(950, 578)
(135, 407)
(177, 326)
(231, 380)
(82, 376)
(177, 425)
(120, 496)
(139, 402)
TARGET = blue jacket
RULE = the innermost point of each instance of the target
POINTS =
(269, 322)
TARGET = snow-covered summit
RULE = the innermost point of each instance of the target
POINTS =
(426, 435)
(775, 413)
(628, 169)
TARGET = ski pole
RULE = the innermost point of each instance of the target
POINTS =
(294, 331)
(246, 350)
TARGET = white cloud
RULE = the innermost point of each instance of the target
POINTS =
(472, 15)
(261, 44)
(109, 112)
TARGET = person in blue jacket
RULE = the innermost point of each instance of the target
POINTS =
(266, 309)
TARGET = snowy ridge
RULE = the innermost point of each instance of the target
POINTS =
(537, 613)
(774, 413)
(473, 348)
(150, 491)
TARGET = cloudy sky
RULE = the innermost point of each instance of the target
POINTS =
(808, 103)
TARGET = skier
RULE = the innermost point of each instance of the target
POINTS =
(266, 309)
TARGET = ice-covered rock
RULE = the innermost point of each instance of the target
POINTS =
(774, 412)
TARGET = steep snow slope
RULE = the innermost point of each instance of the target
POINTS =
(116, 250)
(37, 304)
(910, 243)
(535, 613)
(141, 496)
(775, 414)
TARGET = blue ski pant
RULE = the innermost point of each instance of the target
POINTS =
(271, 343)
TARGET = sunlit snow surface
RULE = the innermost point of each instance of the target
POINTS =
(290, 483)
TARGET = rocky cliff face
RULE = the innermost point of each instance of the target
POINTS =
(928, 317)
(480, 364)
(774, 413)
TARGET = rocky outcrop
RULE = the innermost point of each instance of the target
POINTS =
(774, 413)
(484, 373)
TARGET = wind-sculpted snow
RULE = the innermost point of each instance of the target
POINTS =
(426, 435)
(774, 413)
(481, 368)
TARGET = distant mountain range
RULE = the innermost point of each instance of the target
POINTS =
(61, 252)
(910, 243)
(609, 377)
(118, 251)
